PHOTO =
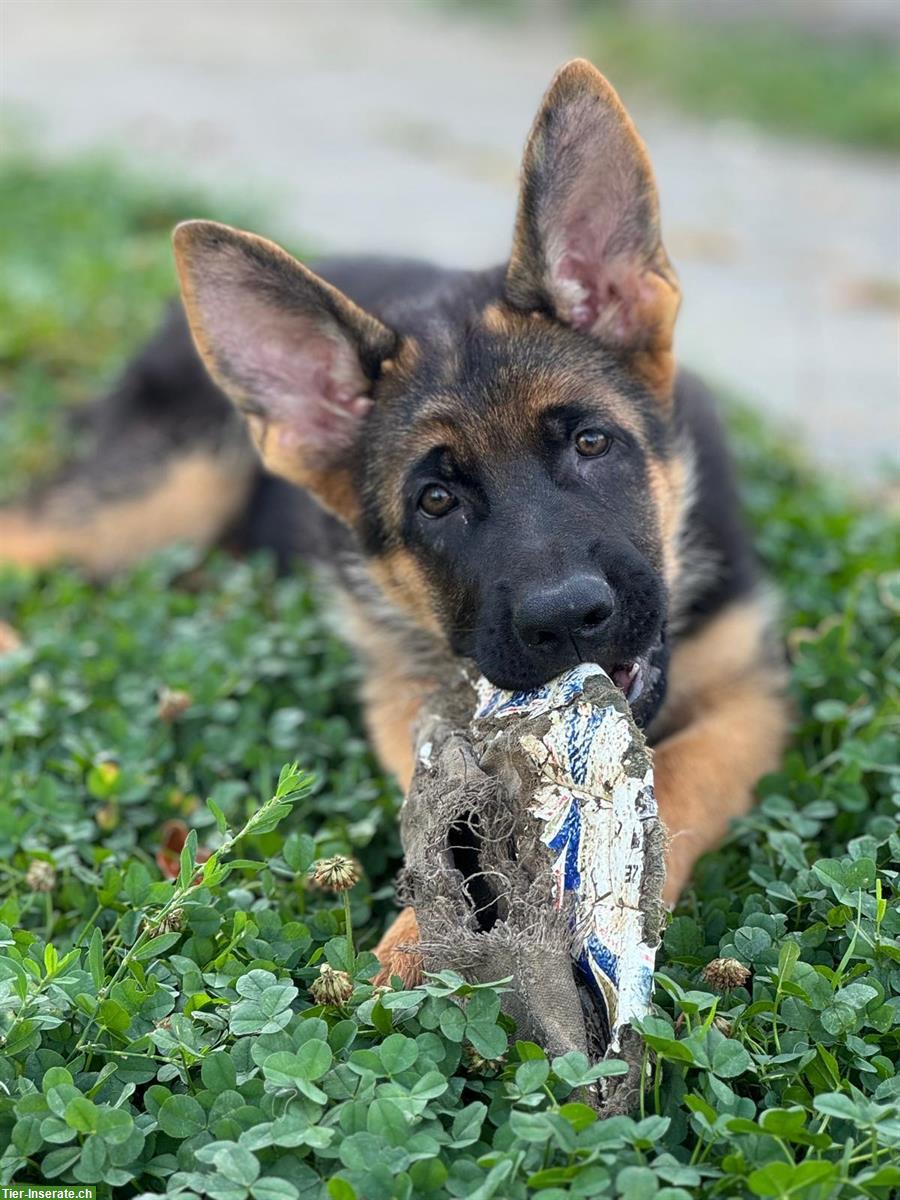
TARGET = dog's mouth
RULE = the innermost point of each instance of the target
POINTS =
(633, 677)
(638, 677)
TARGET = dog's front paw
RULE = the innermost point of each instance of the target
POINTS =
(397, 952)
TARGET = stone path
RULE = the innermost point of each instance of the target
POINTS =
(396, 127)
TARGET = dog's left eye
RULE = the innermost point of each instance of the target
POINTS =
(436, 501)
(592, 443)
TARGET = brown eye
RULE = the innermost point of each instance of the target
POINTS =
(436, 500)
(592, 443)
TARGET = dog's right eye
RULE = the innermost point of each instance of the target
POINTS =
(436, 501)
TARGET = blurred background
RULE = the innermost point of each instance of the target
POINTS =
(396, 126)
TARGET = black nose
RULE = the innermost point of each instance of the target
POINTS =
(547, 619)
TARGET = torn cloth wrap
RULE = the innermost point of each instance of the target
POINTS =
(533, 851)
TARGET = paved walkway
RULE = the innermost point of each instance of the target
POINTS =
(396, 126)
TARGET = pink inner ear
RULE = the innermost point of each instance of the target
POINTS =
(304, 377)
(592, 232)
(594, 292)
(593, 298)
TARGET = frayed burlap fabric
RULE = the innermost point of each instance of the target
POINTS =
(534, 853)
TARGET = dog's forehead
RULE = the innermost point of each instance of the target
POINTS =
(485, 391)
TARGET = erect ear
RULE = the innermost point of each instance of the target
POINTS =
(587, 244)
(294, 354)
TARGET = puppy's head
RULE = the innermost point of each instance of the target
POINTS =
(512, 471)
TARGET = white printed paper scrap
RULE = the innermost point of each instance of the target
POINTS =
(594, 813)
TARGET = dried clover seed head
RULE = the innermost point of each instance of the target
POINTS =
(337, 874)
(478, 1064)
(332, 987)
(170, 924)
(41, 876)
(725, 973)
(107, 817)
(172, 703)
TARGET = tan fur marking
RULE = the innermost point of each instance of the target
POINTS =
(669, 488)
(10, 639)
(404, 582)
(407, 356)
(334, 488)
(729, 648)
(192, 502)
(394, 953)
(392, 699)
(393, 690)
(705, 775)
(392, 705)
(496, 318)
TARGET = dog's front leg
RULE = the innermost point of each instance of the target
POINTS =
(392, 702)
(397, 954)
(705, 775)
(731, 719)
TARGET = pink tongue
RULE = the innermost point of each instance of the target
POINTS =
(622, 677)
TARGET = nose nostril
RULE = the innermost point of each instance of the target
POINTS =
(541, 639)
(594, 617)
(549, 619)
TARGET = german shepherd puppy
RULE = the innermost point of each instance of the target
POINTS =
(499, 465)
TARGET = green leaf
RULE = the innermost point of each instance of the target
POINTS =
(786, 1179)
(114, 1125)
(386, 1119)
(187, 860)
(578, 1115)
(575, 1070)
(637, 1183)
(113, 1016)
(92, 1165)
(220, 819)
(658, 1035)
(428, 1175)
(81, 1115)
(285, 1068)
(55, 1077)
(237, 1165)
(218, 1072)
(467, 1123)
(398, 1053)
(181, 1117)
(314, 1058)
(835, 1104)
(57, 1161)
(95, 959)
(156, 946)
(532, 1075)
(453, 1022)
(273, 1187)
(787, 956)
(266, 1004)
(28, 1134)
(846, 877)
(360, 1150)
(730, 1059)
(488, 1039)
(299, 852)
(529, 1126)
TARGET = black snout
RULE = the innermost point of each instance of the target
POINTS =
(549, 619)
